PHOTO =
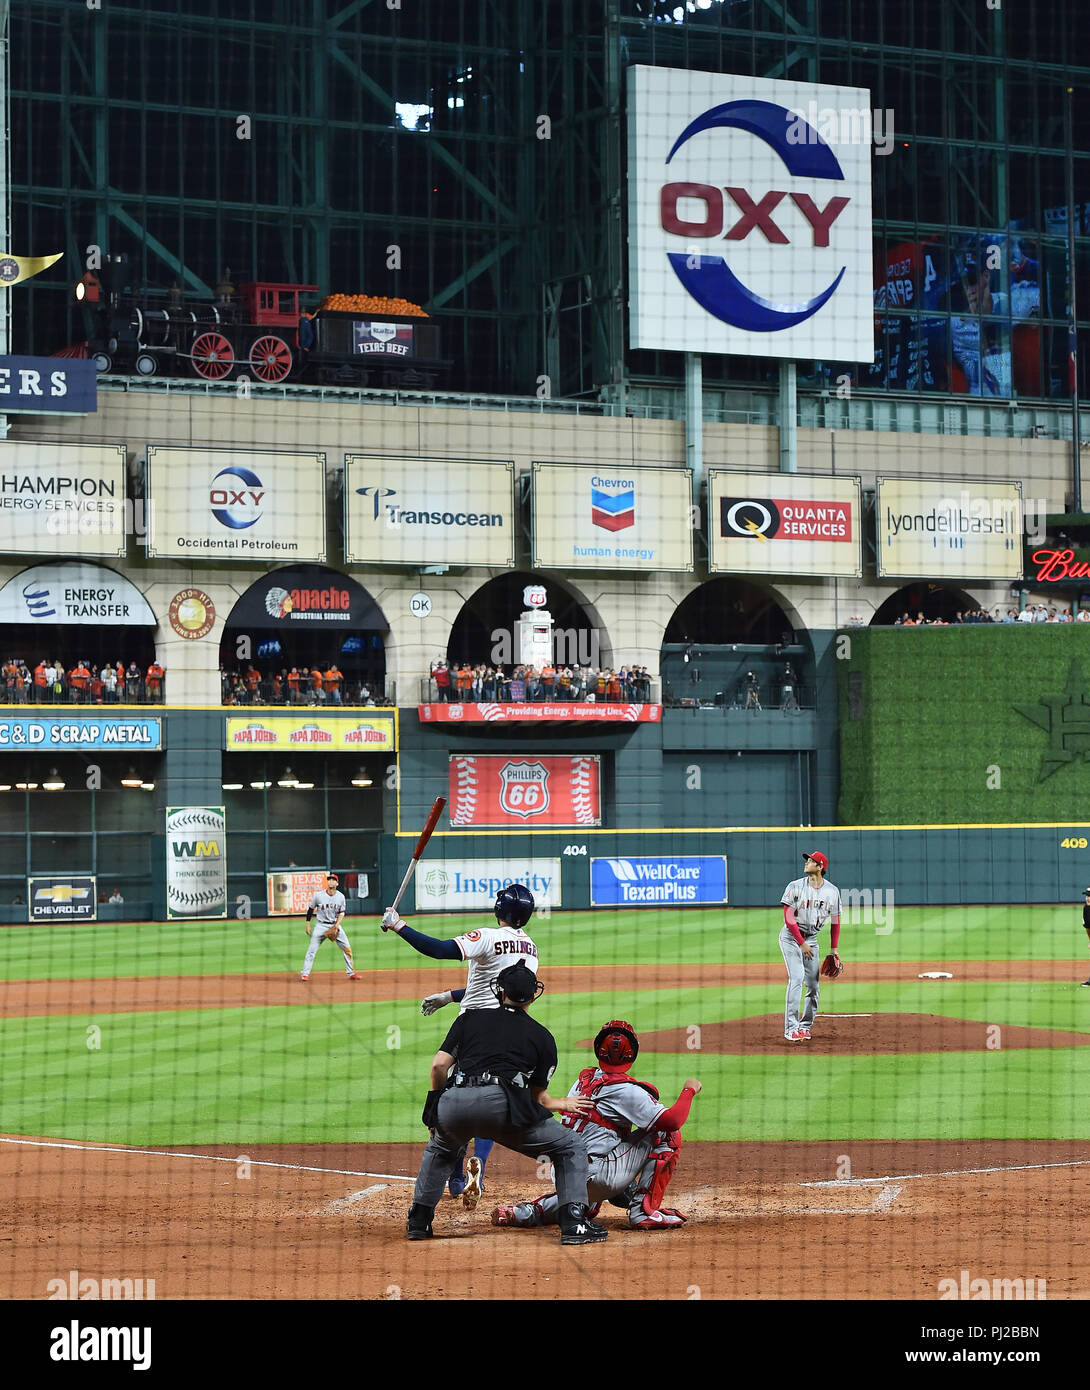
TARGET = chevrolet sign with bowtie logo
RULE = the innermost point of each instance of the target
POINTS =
(72, 898)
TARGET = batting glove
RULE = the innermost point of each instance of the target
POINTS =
(391, 920)
(434, 1002)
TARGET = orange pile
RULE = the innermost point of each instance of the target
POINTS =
(372, 304)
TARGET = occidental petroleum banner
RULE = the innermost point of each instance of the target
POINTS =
(462, 885)
(233, 504)
(955, 529)
(784, 523)
(611, 517)
(64, 499)
(351, 734)
(646, 881)
(749, 216)
(527, 791)
(196, 861)
(412, 511)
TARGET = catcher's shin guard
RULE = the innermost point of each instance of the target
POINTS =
(646, 1211)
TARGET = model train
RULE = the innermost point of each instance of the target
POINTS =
(261, 330)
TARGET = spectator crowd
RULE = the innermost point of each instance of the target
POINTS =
(529, 683)
(82, 684)
(1032, 613)
(301, 685)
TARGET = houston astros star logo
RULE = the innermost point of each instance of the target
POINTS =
(1066, 720)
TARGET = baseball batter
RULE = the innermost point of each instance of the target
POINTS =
(328, 906)
(808, 903)
(631, 1139)
(487, 952)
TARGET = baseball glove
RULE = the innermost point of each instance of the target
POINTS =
(331, 933)
(832, 966)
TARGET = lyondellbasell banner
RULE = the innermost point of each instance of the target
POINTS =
(61, 500)
(524, 790)
(413, 511)
(612, 517)
(784, 523)
(957, 528)
(235, 504)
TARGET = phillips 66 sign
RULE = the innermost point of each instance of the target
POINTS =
(749, 216)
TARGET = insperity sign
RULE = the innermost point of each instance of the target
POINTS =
(749, 214)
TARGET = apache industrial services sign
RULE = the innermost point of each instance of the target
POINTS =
(749, 214)
(784, 523)
(462, 885)
(351, 734)
(955, 529)
(413, 511)
(234, 504)
(63, 499)
(611, 517)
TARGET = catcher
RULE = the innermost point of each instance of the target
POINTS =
(631, 1139)
(328, 906)
(808, 903)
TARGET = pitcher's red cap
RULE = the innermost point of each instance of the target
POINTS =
(818, 858)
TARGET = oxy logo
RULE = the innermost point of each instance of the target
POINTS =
(709, 279)
(378, 493)
(236, 495)
(37, 602)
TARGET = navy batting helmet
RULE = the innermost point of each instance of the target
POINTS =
(514, 905)
(616, 1043)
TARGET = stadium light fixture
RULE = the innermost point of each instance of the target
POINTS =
(5, 786)
(231, 786)
(54, 782)
(303, 786)
(132, 780)
(288, 779)
(260, 786)
(26, 786)
(361, 779)
(147, 786)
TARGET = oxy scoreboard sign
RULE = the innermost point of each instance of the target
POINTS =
(954, 529)
(784, 523)
(62, 499)
(73, 732)
(412, 511)
(62, 898)
(749, 216)
(646, 881)
(611, 517)
(234, 504)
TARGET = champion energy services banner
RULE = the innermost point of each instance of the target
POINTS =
(652, 881)
(234, 504)
(528, 791)
(784, 523)
(955, 529)
(612, 517)
(462, 885)
(749, 214)
(63, 499)
(413, 511)
(196, 844)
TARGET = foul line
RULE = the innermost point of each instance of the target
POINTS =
(949, 1173)
(208, 1158)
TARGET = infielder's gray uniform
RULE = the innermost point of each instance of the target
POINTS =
(328, 909)
(813, 907)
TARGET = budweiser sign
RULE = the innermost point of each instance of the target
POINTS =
(1055, 565)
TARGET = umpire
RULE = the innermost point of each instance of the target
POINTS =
(502, 1060)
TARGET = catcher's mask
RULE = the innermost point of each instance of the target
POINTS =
(514, 905)
(616, 1044)
(518, 983)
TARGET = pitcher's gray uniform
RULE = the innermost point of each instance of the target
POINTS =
(809, 902)
(328, 908)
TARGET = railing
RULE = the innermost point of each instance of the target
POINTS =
(266, 692)
(776, 699)
(129, 692)
(638, 692)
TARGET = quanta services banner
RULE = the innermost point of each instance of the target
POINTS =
(784, 523)
(78, 595)
(648, 881)
(68, 898)
(959, 528)
(353, 734)
(749, 216)
(64, 499)
(196, 853)
(551, 711)
(235, 504)
(413, 511)
(524, 790)
(611, 517)
(464, 885)
(102, 733)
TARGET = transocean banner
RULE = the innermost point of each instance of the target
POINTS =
(957, 528)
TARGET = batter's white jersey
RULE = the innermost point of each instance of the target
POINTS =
(326, 908)
(487, 952)
(813, 907)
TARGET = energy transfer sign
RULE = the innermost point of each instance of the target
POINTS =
(749, 216)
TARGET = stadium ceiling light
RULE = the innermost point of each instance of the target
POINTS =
(147, 786)
(54, 782)
(26, 786)
(260, 786)
(231, 786)
(361, 779)
(5, 786)
(288, 779)
(303, 786)
(132, 780)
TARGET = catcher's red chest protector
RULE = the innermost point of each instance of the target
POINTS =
(589, 1085)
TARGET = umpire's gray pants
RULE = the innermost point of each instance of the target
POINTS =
(466, 1112)
(800, 972)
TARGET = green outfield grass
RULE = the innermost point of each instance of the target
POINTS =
(356, 1071)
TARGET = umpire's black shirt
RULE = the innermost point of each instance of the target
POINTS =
(503, 1042)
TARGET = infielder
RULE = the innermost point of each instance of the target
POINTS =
(808, 903)
(632, 1141)
(1086, 922)
(486, 952)
(328, 906)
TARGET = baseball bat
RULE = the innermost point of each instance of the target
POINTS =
(421, 844)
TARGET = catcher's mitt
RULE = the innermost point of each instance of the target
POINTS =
(331, 933)
(832, 966)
